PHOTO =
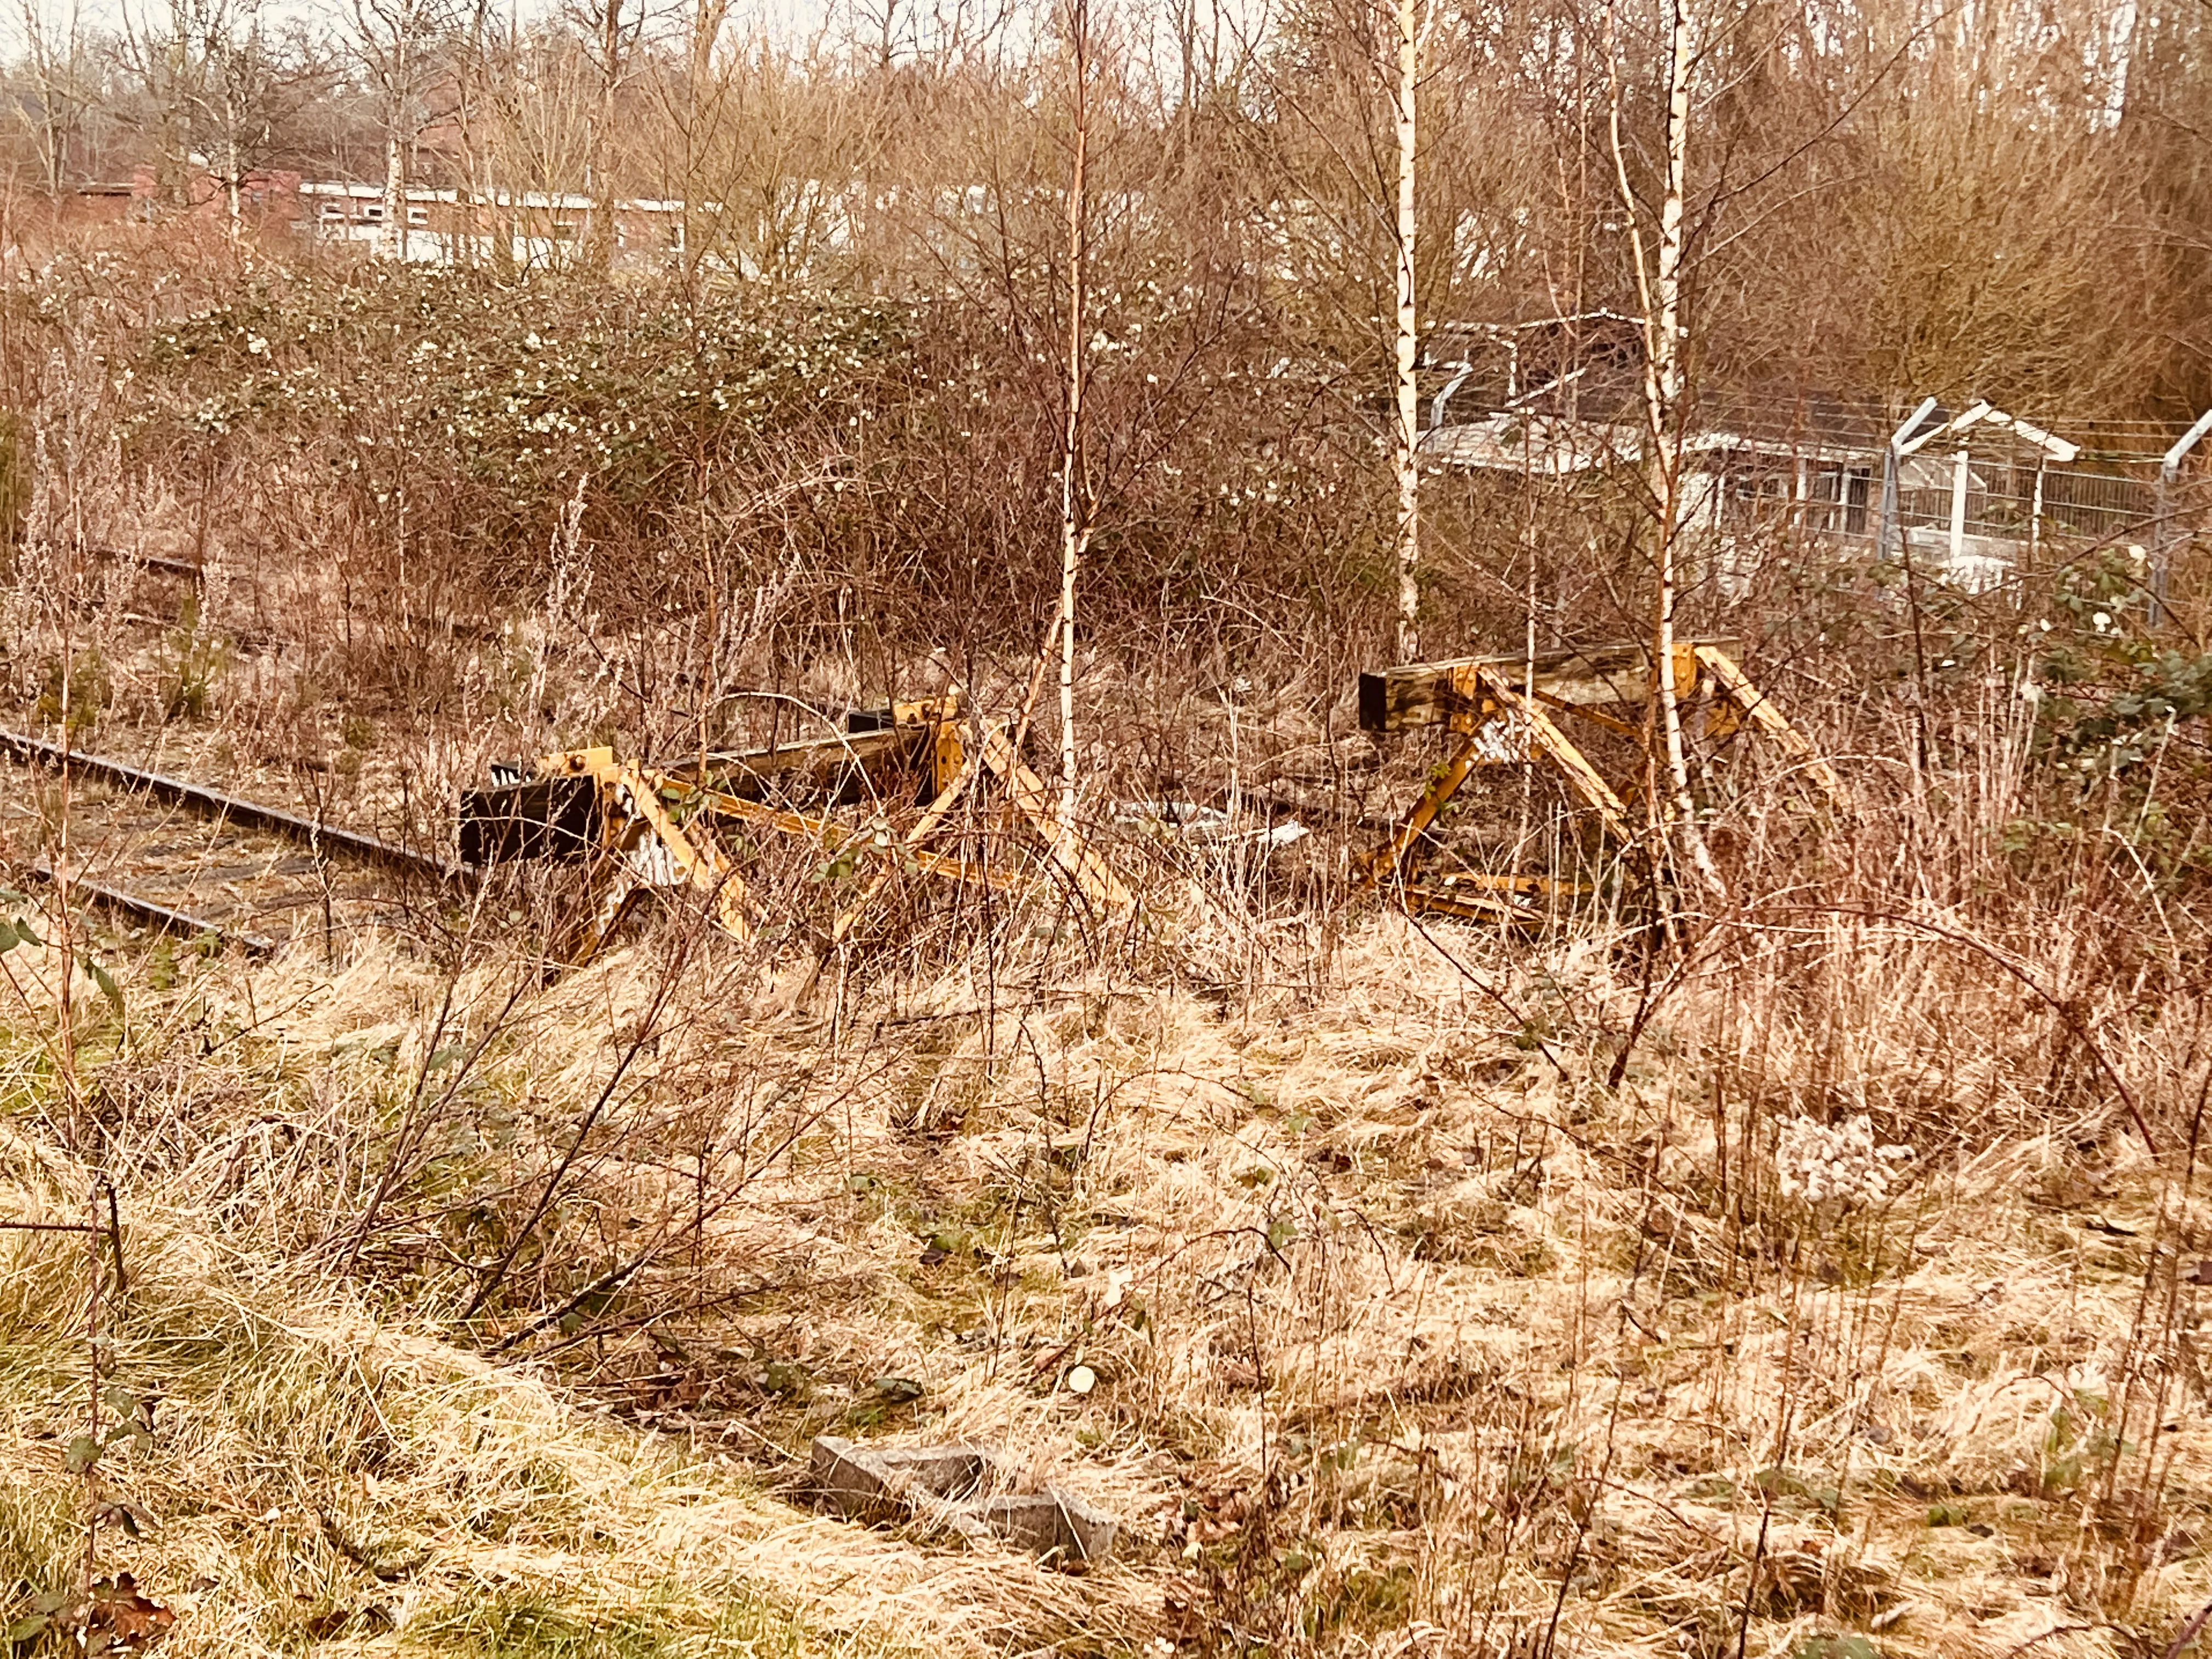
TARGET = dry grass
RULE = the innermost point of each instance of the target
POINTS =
(1412, 1334)
(322, 1475)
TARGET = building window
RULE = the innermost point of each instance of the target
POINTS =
(1755, 487)
(418, 215)
(1839, 500)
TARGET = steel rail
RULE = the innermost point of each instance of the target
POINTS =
(37, 751)
(181, 922)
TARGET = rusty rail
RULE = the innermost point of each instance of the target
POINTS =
(181, 922)
(37, 751)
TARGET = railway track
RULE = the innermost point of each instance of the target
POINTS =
(157, 851)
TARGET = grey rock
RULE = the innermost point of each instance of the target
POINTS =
(1053, 1522)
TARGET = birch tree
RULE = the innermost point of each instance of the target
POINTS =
(396, 42)
(611, 31)
(168, 51)
(1074, 518)
(54, 61)
(1406, 428)
(1659, 289)
(222, 91)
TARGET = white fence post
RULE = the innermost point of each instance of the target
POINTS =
(1961, 471)
(2161, 539)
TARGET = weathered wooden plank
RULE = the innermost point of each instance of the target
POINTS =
(741, 768)
(1411, 696)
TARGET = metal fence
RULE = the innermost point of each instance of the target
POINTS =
(1984, 497)
(1982, 518)
(2006, 501)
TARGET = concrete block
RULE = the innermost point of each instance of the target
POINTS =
(1053, 1522)
(859, 1481)
(959, 1487)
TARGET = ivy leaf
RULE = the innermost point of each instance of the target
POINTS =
(108, 987)
(82, 1453)
(130, 1516)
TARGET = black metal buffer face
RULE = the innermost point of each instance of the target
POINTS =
(556, 818)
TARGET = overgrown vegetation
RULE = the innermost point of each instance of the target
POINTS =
(1808, 1265)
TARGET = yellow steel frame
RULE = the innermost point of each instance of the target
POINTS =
(652, 850)
(1485, 706)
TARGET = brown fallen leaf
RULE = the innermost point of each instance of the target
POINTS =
(121, 1620)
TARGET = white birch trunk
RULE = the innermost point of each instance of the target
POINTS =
(1407, 426)
(601, 231)
(1075, 531)
(1663, 394)
(395, 194)
(233, 163)
(1668, 451)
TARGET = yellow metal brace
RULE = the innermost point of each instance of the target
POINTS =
(1493, 696)
(1485, 705)
(640, 832)
(1760, 710)
(953, 763)
(1093, 876)
(637, 828)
